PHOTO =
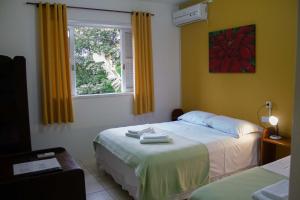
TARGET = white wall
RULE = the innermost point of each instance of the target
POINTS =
(295, 163)
(18, 36)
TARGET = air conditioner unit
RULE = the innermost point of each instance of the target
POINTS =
(190, 14)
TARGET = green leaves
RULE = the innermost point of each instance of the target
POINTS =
(97, 77)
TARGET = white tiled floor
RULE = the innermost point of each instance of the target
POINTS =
(101, 186)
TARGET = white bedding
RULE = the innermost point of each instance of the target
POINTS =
(278, 190)
(227, 155)
(281, 166)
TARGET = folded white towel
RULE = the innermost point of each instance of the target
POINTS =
(147, 141)
(140, 132)
(259, 196)
(276, 191)
(154, 136)
(133, 135)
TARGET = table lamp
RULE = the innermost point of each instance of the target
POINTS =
(274, 122)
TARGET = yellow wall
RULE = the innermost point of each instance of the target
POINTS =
(240, 95)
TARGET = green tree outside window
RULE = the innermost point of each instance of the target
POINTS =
(97, 60)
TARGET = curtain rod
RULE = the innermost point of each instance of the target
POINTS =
(85, 8)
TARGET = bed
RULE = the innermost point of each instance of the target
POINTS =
(244, 184)
(196, 156)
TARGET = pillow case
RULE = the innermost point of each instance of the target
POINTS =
(232, 126)
(196, 117)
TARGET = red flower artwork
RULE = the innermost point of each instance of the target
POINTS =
(232, 50)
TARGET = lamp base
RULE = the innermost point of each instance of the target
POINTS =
(275, 137)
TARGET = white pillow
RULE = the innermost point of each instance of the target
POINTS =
(232, 126)
(196, 117)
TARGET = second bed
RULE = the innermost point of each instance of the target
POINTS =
(245, 184)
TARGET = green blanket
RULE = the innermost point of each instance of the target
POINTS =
(237, 187)
(163, 169)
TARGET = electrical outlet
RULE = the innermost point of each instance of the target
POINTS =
(264, 119)
(269, 104)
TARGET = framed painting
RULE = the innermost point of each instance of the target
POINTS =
(232, 50)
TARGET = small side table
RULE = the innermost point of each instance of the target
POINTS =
(268, 147)
(67, 183)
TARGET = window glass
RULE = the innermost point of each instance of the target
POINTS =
(101, 59)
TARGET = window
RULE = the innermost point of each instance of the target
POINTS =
(101, 59)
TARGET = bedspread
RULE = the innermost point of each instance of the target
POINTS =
(162, 168)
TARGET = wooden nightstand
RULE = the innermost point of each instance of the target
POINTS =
(64, 184)
(176, 113)
(268, 147)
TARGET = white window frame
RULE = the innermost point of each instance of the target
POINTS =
(72, 60)
(126, 63)
(123, 29)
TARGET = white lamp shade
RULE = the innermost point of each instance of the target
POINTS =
(273, 120)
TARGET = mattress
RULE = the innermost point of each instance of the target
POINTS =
(227, 155)
(244, 184)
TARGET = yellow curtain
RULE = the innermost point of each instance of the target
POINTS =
(142, 58)
(55, 67)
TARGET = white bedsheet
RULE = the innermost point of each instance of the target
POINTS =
(227, 155)
(281, 166)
